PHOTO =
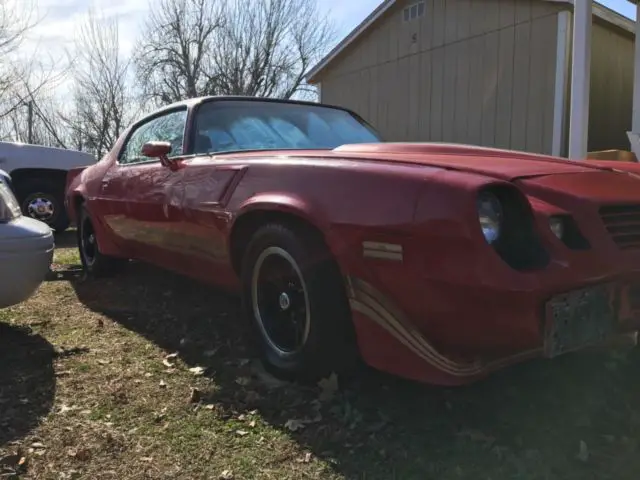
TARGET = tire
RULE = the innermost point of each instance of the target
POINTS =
(43, 200)
(95, 263)
(314, 299)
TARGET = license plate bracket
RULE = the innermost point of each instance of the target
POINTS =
(579, 318)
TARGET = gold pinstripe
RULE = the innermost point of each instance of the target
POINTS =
(365, 299)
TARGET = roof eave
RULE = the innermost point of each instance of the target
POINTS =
(346, 41)
(599, 10)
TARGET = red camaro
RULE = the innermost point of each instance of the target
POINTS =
(435, 262)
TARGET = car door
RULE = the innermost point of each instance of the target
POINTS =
(154, 192)
(208, 182)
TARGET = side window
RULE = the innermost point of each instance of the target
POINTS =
(167, 128)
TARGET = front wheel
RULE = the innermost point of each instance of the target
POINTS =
(294, 297)
(94, 262)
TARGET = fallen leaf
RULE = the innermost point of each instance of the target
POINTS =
(169, 360)
(252, 397)
(306, 458)
(328, 387)
(294, 425)
(209, 406)
(82, 454)
(103, 362)
(38, 445)
(147, 459)
(226, 475)
(268, 380)
(583, 453)
(65, 408)
(316, 418)
(242, 433)
(197, 371)
(252, 423)
(163, 384)
(243, 381)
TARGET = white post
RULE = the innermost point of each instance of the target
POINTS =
(562, 76)
(635, 125)
(580, 79)
(634, 134)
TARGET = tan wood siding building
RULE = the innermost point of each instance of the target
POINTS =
(483, 72)
(610, 100)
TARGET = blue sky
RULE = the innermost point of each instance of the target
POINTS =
(622, 6)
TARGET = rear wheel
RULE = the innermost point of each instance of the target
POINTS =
(94, 262)
(294, 297)
(43, 200)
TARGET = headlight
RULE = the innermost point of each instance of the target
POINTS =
(556, 224)
(490, 216)
(9, 208)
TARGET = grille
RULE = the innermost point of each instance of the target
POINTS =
(623, 224)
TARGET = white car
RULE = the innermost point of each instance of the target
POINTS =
(39, 176)
(26, 249)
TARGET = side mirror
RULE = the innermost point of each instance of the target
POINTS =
(156, 149)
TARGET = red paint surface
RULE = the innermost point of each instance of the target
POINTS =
(451, 287)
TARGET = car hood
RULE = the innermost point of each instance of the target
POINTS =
(596, 188)
(500, 164)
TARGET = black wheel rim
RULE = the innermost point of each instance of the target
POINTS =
(88, 242)
(280, 301)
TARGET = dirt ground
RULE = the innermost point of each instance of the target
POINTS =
(148, 375)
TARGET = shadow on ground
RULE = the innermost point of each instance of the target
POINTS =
(66, 239)
(27, 381)
(575, 417)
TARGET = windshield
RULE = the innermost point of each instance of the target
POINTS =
(250, 125)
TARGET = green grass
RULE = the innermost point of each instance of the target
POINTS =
(82, 378)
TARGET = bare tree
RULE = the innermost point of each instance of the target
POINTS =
(262, 48)
(102, 105)
(176, 44)
(16, 73)
(267, 50)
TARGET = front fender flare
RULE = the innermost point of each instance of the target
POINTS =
(285, 203)
(294, 205)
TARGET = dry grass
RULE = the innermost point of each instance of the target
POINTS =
(87, 391)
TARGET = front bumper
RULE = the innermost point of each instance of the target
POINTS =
(467, 315)
(26, 253)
